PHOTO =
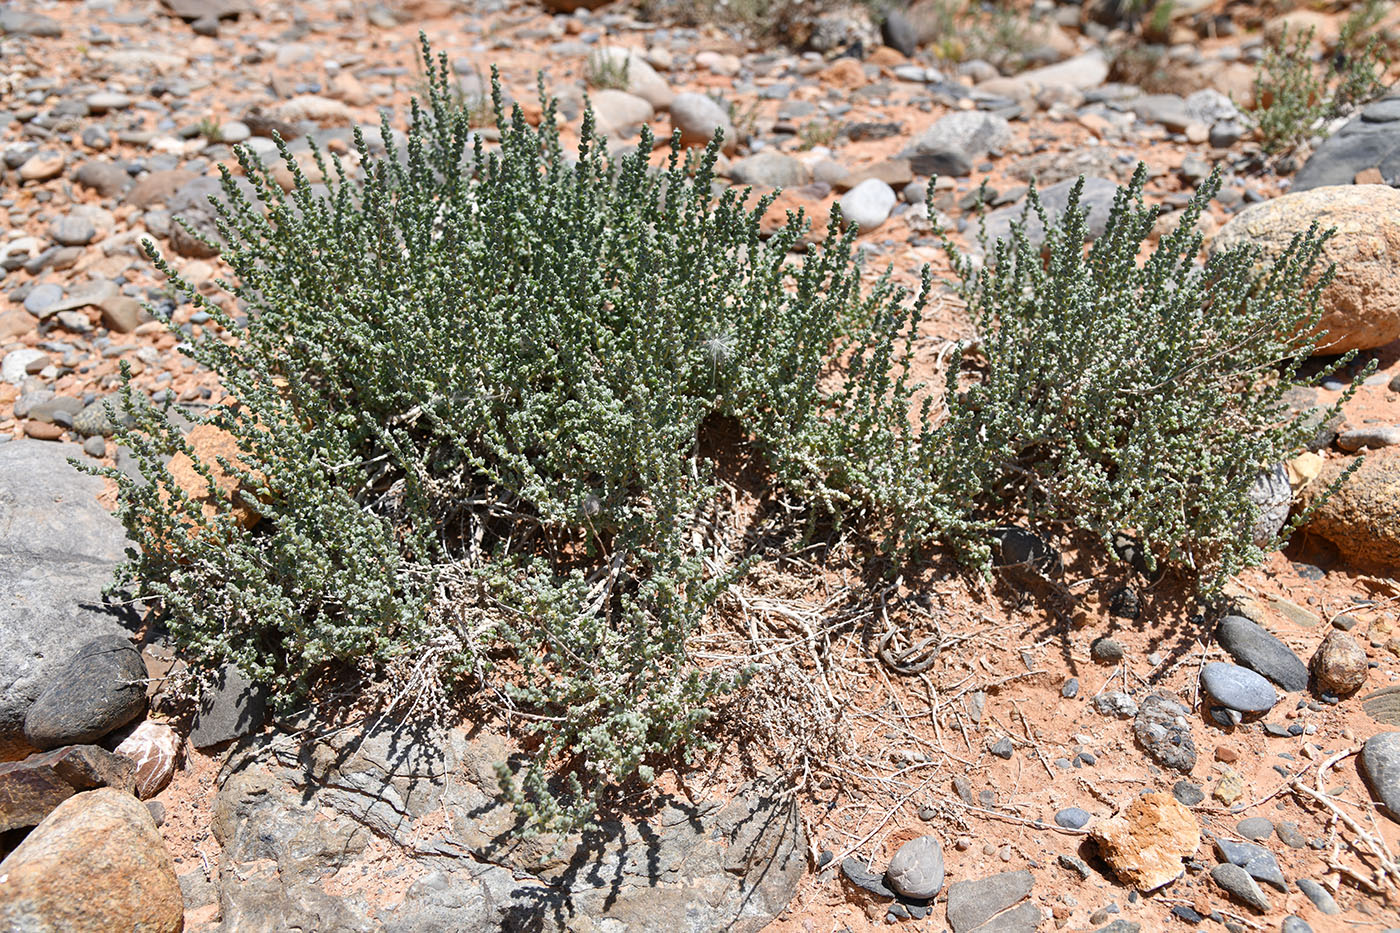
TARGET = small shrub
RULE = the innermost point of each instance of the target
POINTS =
(1119, 396)
(816, 133)
(607, 71)
(1293, 101)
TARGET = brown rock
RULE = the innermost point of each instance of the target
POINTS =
(210, 443)
(32, 788)
(157, 187)
(1340, 664)
(153, 747)
(845, 73)
(16, 323)
(122, 313)
(809, 199)
(1363, 518)
(1361, 308)
(96, 864)
(1147, 841)
(42, 431)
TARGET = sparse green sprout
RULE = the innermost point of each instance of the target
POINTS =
(608, 71)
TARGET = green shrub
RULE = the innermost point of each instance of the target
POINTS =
(469, 403)
(1293, 101)
(608, 71)
(1119, 396)
(473, 394)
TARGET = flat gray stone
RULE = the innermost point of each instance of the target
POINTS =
(230, 707)
(974, 902)
(1322, 898)
(1255, 648)
(1258, 861)
(1073, 818)
(1237, 882)
(1164, 732)
(58, 550)
(1238, 688)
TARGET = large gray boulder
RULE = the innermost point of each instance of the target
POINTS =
(58, 550)
(1370, 140)
(293, 811)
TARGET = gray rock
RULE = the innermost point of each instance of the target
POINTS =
(1255, 648)
(1237, 882)
(93, 420)
(1238, 688)
(917, 868)
(58, 551)
(687, 867)
(1096, 201)
(865, 879)
(1116, 703)
(95, 446)
(19, 23)
(30, 789)
(1162, 729)
(1258, 861)
(231, 706)
(1290, 835)
(1188, 793)
(1369, 140)
(72, 230)
(770, 168)
(1167, 109)
(1256, 828)
(1380, 763)
(1371, 435)
(1106, 650)
(974, 902)
(697, 116)
(1273, 496)
(1073, 818)
(1320, 896)
(868, 204)
(106, 178)
(1295, 925)
(899, 34)
(1003, 748)
(99, 689)
(952, 144)
(43, 299)
(618, 113)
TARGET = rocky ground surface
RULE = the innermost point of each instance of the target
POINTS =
(1134, 769)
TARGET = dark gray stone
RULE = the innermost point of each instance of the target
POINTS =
(1258, 861)
(1369, 140)
(100, 688)
(1380, 763)
(1096, 201)
(916, 870)
(955, 141)
(58, 550)
(1003, 748)
(231, 706)
(972, 903)
(1320, 896)
(1187, 793)
(865, 879)
(1238, 883)
(1255, 648)
(1238, 688)
(1290, 835)
(1073, 818)
(1162, 729)
(1255, 827)
(1121, 926)
(899, 34)
(1167, 109)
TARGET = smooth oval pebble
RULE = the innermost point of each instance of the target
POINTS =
(1380, 763)
(1259, 650)
(1256, 827)
(1072, 818)
(917, 868)
(1238, 688)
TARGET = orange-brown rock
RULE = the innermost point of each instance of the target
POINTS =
(1147, 842)
(210, 443)
(845, 73)
(1363, 518)
(94, 865)
(811, 200)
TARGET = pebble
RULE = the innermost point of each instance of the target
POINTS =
(1116, 703)
(1106, 650)
(863, 878)
(1340, 664)
(42, 166)
(103, 101)
(1320, 896)
(1003, 748)
(1295, 925)
(916, 870)
(1290, 835)
(1373, 436)
(1072, 818)
(72, 230)
(1258, 861)
(868, 204)
(1188, 793)
(973, 902)
(1237, 882)
(95, 446)
(1238, 688)
(1070, 690)
(43, 297)
(1162, 729)
(1256, 828)
(99, 689)
(1250, 645)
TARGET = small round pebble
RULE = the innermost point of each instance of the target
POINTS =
(917, 868)
(1238, 688)
(1296, 925)
(1105, 650)
(1072, 818)
(1071, 688)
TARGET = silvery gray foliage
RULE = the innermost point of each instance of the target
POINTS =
(1119, 395)
(469, 403)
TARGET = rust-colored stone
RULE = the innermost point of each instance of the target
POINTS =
(1147, 842)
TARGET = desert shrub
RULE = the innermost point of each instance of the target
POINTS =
(468, 405)
(1294, 101)
(1117, 396)
(471, 398)
(607, 71)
